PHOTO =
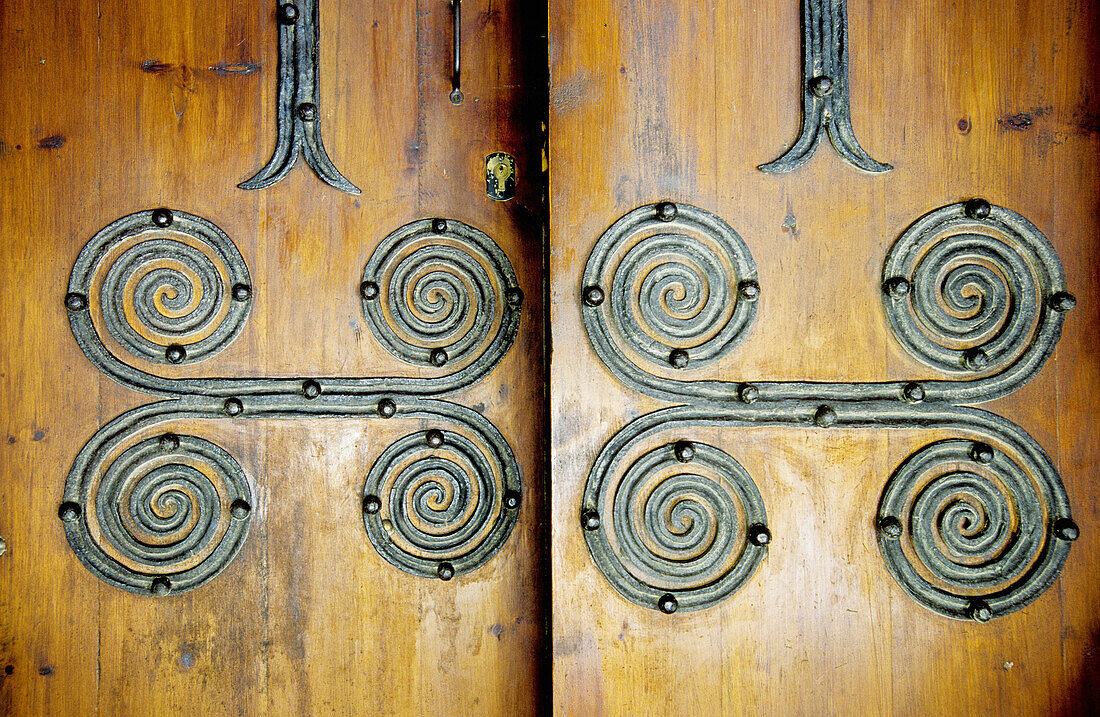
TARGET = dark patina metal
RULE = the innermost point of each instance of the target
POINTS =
(986, 513)
(825, 92)
(456, 52)
(115, 479)
(299, 96)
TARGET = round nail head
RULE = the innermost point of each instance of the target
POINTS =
(977, 208)
(311, 389)
(233, 407)
(75, 301)
(161, 587)
(372, 504)
(434, 438)
(890, 527)
(982, 453)
(897, 287)
(821, 86)
(590, 520)
(439, 226)
(368, 290)
(593, 296)
(162, 217)
(446, 571)
(169, 442)
(825, 417)
(975, 359)
(511, 500)
(678, 358)
(288, 13)
(1063, 301)
(759, 535)
(913, 392)
(69, 512)
(749, 290)
(387, 408)
(175, 353)
(514, 296)
(748, 393)
(667, 604)
(307, 111)
(242, 292)
(1066, 529)
(979, 611)
(667, 211)
(240, 509)
(684, 451)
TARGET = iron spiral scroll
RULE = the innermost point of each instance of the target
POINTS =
(971, 527)
(153, 509)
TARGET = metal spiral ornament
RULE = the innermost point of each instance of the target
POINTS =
(438, 292)
(971, 288)
(971, 532)
(172, 287)
(440, 503)
(670, 286)
(165, 515)
(682, 528)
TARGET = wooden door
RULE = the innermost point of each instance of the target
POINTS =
(277, 459)
(777, 487)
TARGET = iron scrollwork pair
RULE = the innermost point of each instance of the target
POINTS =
(971, 527)
(152, 510)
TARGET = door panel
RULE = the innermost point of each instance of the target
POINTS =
(146, 105)
(680, 102)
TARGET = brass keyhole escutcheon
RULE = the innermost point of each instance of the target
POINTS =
(500, 176)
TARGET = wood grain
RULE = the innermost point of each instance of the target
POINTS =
(681, 101)
(115, 107)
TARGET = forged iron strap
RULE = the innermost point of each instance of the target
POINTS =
(298, 118)
(825, 92)
(970, 528)
(153, 511)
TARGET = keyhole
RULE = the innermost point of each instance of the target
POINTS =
(502, 171)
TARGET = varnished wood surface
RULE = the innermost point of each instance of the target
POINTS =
(681, 101)
(114, 107)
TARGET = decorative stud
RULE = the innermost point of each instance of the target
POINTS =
(387, 408)
(913, 392)
(372, 504)
(748, 393)
(749, 290)
(590, 519)
(162, 217)
(161, 587)
(511, 500)
(977, 208)
(666, 211)
(821, 86)
(825, 417)
(593, 296)
(979, 611)
(890, 527)
(445, 571)
(684, 451)
(667, 604)
(514, 296)
(439, 226)
(75, 301)
(240, 509)
(69, 511)
(982, 453)
(1063, 301)
(897, 287)
(169, 442)
(368, 290)
(678, 358)
(288, 14)
(759, 535)
(233, 407)
(242, 292)
(975, 359)
(307, 112)
(438, 357)
(175, 353)
(1066, 529)
(311, 389)
(434, 438)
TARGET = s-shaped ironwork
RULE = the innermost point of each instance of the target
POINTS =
(155, 511)
(970, 527)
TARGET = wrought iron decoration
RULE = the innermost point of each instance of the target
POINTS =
(299, 97)
(972, 527)
(825, 91)
(155, 511)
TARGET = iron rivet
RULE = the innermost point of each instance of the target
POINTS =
(975, 359)
(981, 453)
(162, 217)
(161, 587)
(434, 438)
(897, 287)
(667, 604)
(977, 208)
(1063, 301)
(387, 408)
(368, 290)
(590, 519)
(439, 226)
(288, 14)
(307, 111)
(684, 451)
(749, 290)
(240, 509)
(169, 442)
(514, 296)
(913, 392)
(678, 358)
(438, 357)
(233, 407)
(825, 417)
(821, 86)
(1066, 529)
(890, 527)
(372, 504)
(979, 611)
(748, 393)
(593, 296)
(759, 535)
(456, 96)
(175, 353)
(242, 292)
(75, 301)
(667, 211)
(445, 571)
(69, 512)
(311, 389)
(511, 500)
